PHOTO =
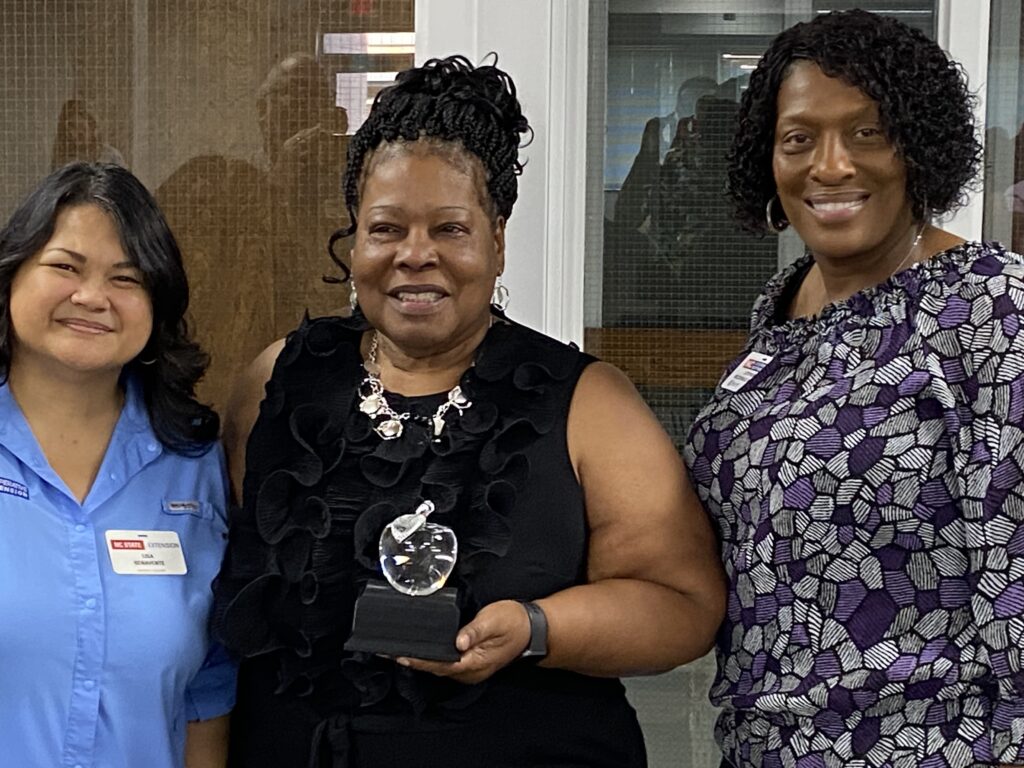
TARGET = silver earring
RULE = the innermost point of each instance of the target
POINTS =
(353, 297)
(499, 297)
(773, 226)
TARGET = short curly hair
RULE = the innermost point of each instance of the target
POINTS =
(923, 101)
(449, 102)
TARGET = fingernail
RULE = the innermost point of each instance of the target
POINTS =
(403, 662)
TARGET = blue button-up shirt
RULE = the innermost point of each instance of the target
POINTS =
(99, 668)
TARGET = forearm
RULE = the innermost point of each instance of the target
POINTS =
(619, 627)
(206, 743)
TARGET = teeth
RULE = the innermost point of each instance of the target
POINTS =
(422, 298)
(845, 206)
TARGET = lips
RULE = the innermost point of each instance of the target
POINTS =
(424, 294)
(85, 326)
(417, 299)
(837, 206)
(423, 297)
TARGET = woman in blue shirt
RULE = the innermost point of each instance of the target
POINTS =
(112, 492)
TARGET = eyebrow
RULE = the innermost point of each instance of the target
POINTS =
(81, 259)
(810, 114)
(400, 208)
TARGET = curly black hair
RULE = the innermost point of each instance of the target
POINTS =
(450, 102)
(171, 363)
(923, 101)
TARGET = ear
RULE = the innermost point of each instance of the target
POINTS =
(499, 243)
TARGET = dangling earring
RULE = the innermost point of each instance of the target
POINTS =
(773, 227)
(353, 297)
(499, 297)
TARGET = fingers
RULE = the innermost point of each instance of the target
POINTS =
(503, 622)
(495, 638)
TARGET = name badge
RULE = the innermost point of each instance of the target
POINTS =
(752, 365)
(146, 553)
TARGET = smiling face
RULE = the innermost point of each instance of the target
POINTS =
(79, 305)
(839, 178)
(426, 253)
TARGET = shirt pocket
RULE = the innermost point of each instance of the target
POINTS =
(197, 508)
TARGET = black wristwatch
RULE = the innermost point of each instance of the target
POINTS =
(537, 648)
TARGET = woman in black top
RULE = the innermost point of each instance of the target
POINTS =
(558, 481)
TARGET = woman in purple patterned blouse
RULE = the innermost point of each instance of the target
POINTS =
(864, 456)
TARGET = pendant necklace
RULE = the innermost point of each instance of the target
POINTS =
(913, 247)
(387, 422)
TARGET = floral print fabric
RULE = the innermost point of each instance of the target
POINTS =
(868, 485)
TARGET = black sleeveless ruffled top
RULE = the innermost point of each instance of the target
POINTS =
(320, 485)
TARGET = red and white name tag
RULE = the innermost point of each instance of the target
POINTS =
(751, 365)
(146, 553)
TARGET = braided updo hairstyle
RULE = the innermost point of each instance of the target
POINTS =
(454, 106)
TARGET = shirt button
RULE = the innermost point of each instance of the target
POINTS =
(78, 765)
(79, 528)
(151, 447)
(88, 684)
(113, 476)
(90, 603)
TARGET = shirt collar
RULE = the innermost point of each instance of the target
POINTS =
(132, 446)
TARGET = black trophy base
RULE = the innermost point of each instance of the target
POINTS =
(390, 623)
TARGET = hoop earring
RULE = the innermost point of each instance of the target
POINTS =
(353, 297)
(499, 296)
(773, 227)
(146, 362)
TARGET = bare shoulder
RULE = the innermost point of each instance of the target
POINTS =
(250, 385)
(605, 398)
(243, 408)
(609, 423)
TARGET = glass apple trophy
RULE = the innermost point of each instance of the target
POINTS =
(412, 614)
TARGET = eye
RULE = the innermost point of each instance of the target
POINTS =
(62, 266)
(795, 141)
(869, 132)
(382, 229)
(453, 228)
(127, 280)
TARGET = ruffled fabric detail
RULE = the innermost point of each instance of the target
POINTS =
(320, 486)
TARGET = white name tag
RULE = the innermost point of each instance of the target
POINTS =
(752, 365)
(146, 553)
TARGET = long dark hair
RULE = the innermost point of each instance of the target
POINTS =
(173, 361)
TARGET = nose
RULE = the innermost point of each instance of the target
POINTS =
(417, 251)
(832, 161)
(91, 295)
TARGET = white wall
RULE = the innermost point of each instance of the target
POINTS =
(964, 33)
(542, 44)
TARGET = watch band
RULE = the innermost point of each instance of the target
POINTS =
(538, 645)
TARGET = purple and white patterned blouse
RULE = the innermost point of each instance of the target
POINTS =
(868, 485)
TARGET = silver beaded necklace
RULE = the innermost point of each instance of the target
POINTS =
(387, 422)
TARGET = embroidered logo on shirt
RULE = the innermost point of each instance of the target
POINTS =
(13, 488)
(192, 507)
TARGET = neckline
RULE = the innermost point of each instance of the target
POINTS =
(771, 314)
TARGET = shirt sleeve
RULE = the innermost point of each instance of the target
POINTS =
(212, 691)
(990, 464)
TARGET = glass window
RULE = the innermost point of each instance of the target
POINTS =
(670, 276)
(1004, 134)
(237, 116)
